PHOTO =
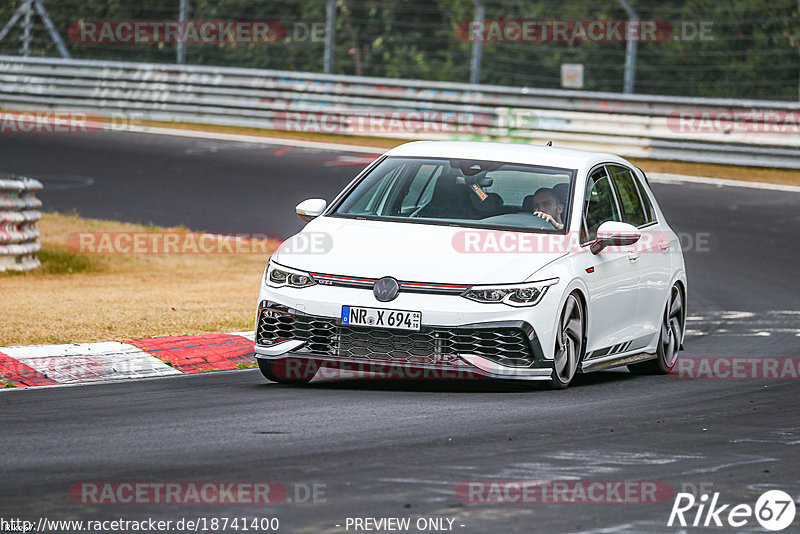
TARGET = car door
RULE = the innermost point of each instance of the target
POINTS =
(612, 277)
(653, 259)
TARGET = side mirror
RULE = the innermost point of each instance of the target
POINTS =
(614, 234)
(310, 209)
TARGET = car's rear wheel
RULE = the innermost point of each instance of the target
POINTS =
(288, 370)
(669, 342)
(569, 343)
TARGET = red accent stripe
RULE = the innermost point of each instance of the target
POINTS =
(439, 286)
(19, 374)
(328, 277)
(195, 354)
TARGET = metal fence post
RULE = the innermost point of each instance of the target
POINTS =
(27, 27)
(182, 14)
(330, 35)
(26, 9)
(51, 28)
(477, 44)
(632, 43)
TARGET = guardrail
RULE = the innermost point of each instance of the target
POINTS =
(764, 133)
(18, 216)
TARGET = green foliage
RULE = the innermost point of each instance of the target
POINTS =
(59, 262)
(752, 50)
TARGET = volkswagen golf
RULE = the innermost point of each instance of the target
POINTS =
(504, 261)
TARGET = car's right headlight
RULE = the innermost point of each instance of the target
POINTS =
(280, 276)
(517, 295)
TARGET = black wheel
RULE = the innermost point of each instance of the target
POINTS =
(288, 370)
(669, 342)
(569, 343)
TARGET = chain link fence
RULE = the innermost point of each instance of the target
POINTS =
(738, 49)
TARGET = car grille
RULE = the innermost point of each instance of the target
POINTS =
(437, 346)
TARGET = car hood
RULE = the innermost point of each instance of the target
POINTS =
(415, 252)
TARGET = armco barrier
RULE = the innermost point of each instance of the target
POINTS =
(632, 125)
(18, 216)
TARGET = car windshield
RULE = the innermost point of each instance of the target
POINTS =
(472, 193)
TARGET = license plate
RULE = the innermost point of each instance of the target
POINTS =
(380, 318)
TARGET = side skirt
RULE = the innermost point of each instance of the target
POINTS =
(615, 360)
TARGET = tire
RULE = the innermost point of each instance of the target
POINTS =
(669, 341)
(290, 371)
(569, 343)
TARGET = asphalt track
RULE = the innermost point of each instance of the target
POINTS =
(400, 448)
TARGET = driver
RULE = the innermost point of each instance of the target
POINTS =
(547, 205)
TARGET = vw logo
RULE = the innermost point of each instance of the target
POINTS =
(386, 289)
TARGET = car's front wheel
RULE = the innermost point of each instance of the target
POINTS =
(669, 342)
(569, 343)
(288, 370)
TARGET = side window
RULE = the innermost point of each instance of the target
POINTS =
(649, 212)
(599, 204)
(633, 209)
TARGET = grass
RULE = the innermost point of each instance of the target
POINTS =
(729, 172)
(61, 262)
(80, 297)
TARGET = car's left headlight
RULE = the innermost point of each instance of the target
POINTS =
(518, 295)
(280, 276)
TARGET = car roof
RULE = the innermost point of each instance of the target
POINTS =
(549, 156)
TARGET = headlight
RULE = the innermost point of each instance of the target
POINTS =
(518, 295)
(279, 276)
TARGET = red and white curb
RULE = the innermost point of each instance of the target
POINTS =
(49, 365)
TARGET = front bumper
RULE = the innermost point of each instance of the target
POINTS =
(508, 349)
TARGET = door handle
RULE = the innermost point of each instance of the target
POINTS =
(663, 246)
(633, 256)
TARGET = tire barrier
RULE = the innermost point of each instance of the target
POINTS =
(18, 215)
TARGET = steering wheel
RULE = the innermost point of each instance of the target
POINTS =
(540, 224)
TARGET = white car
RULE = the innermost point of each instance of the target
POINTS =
(505, 261)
